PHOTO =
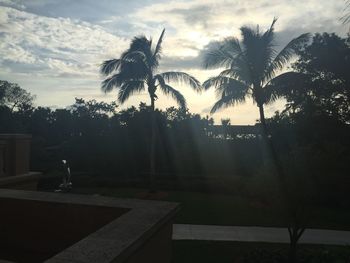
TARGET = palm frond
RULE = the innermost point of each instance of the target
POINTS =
(168, 90)
(158, 48)
(232, 91)
(216, 58)
(215, 82)
(285, 55)
(108, 66)
(134, 56)
(177, 96)
(222, 54)
(226, 101)
(140, 43)
(226, 85)
(241, 70)
(285, 84)
(231, 45)
(134, 69)
(259, 50)
(235, 89)
(270, 95)
(346, 17)
(143, 45)
(252, 46)
(113, 81)
(228, 73)
(249, 37)
(269, 33)
(267, 50)
(182, 77)
(128, 88)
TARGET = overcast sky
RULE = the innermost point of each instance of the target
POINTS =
(53, 48)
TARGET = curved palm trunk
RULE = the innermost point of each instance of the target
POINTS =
(272, 150)
(153, 147)
(295, 230)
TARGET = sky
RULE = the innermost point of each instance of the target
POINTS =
(53, 48)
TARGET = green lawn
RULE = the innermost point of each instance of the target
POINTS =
(224, 209)
(236, 252)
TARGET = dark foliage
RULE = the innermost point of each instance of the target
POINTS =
(98, 139)
(313, 132)
(326, 89)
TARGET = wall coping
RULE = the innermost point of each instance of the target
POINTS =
(8, 180)
(4, 136)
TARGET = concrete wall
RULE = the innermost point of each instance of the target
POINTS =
(39, 226)
(37, 230)
(158, 249)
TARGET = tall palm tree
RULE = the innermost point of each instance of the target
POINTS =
(252, 68)
(136, 70)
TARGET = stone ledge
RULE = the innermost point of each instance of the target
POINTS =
(27, 181)
(142, 230)
(4, 136)
(20, 178)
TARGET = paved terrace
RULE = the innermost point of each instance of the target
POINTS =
(257, 234)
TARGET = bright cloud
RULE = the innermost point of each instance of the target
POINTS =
(57, 45)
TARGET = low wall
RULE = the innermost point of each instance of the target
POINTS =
(27, 181)
(50, 227)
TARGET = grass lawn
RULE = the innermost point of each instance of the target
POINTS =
(224, 209)
(237, 252)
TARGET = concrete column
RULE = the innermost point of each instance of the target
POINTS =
(15, 154)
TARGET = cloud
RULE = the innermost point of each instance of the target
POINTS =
(213, 20)
(56, 46)
(12, 3)
(87, 10)
(206, 110)
(180, 63)
(197, 15)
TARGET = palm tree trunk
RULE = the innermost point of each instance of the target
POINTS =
(153, 147)
(270, 147)
(294, 231)
(295, 234)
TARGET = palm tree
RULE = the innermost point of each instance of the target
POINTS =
(251, 68)
(136, 70)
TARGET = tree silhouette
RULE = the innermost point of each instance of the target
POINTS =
(225, 123)
(326, 90)
(252, 67)
(135, 70)
(14, 97)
